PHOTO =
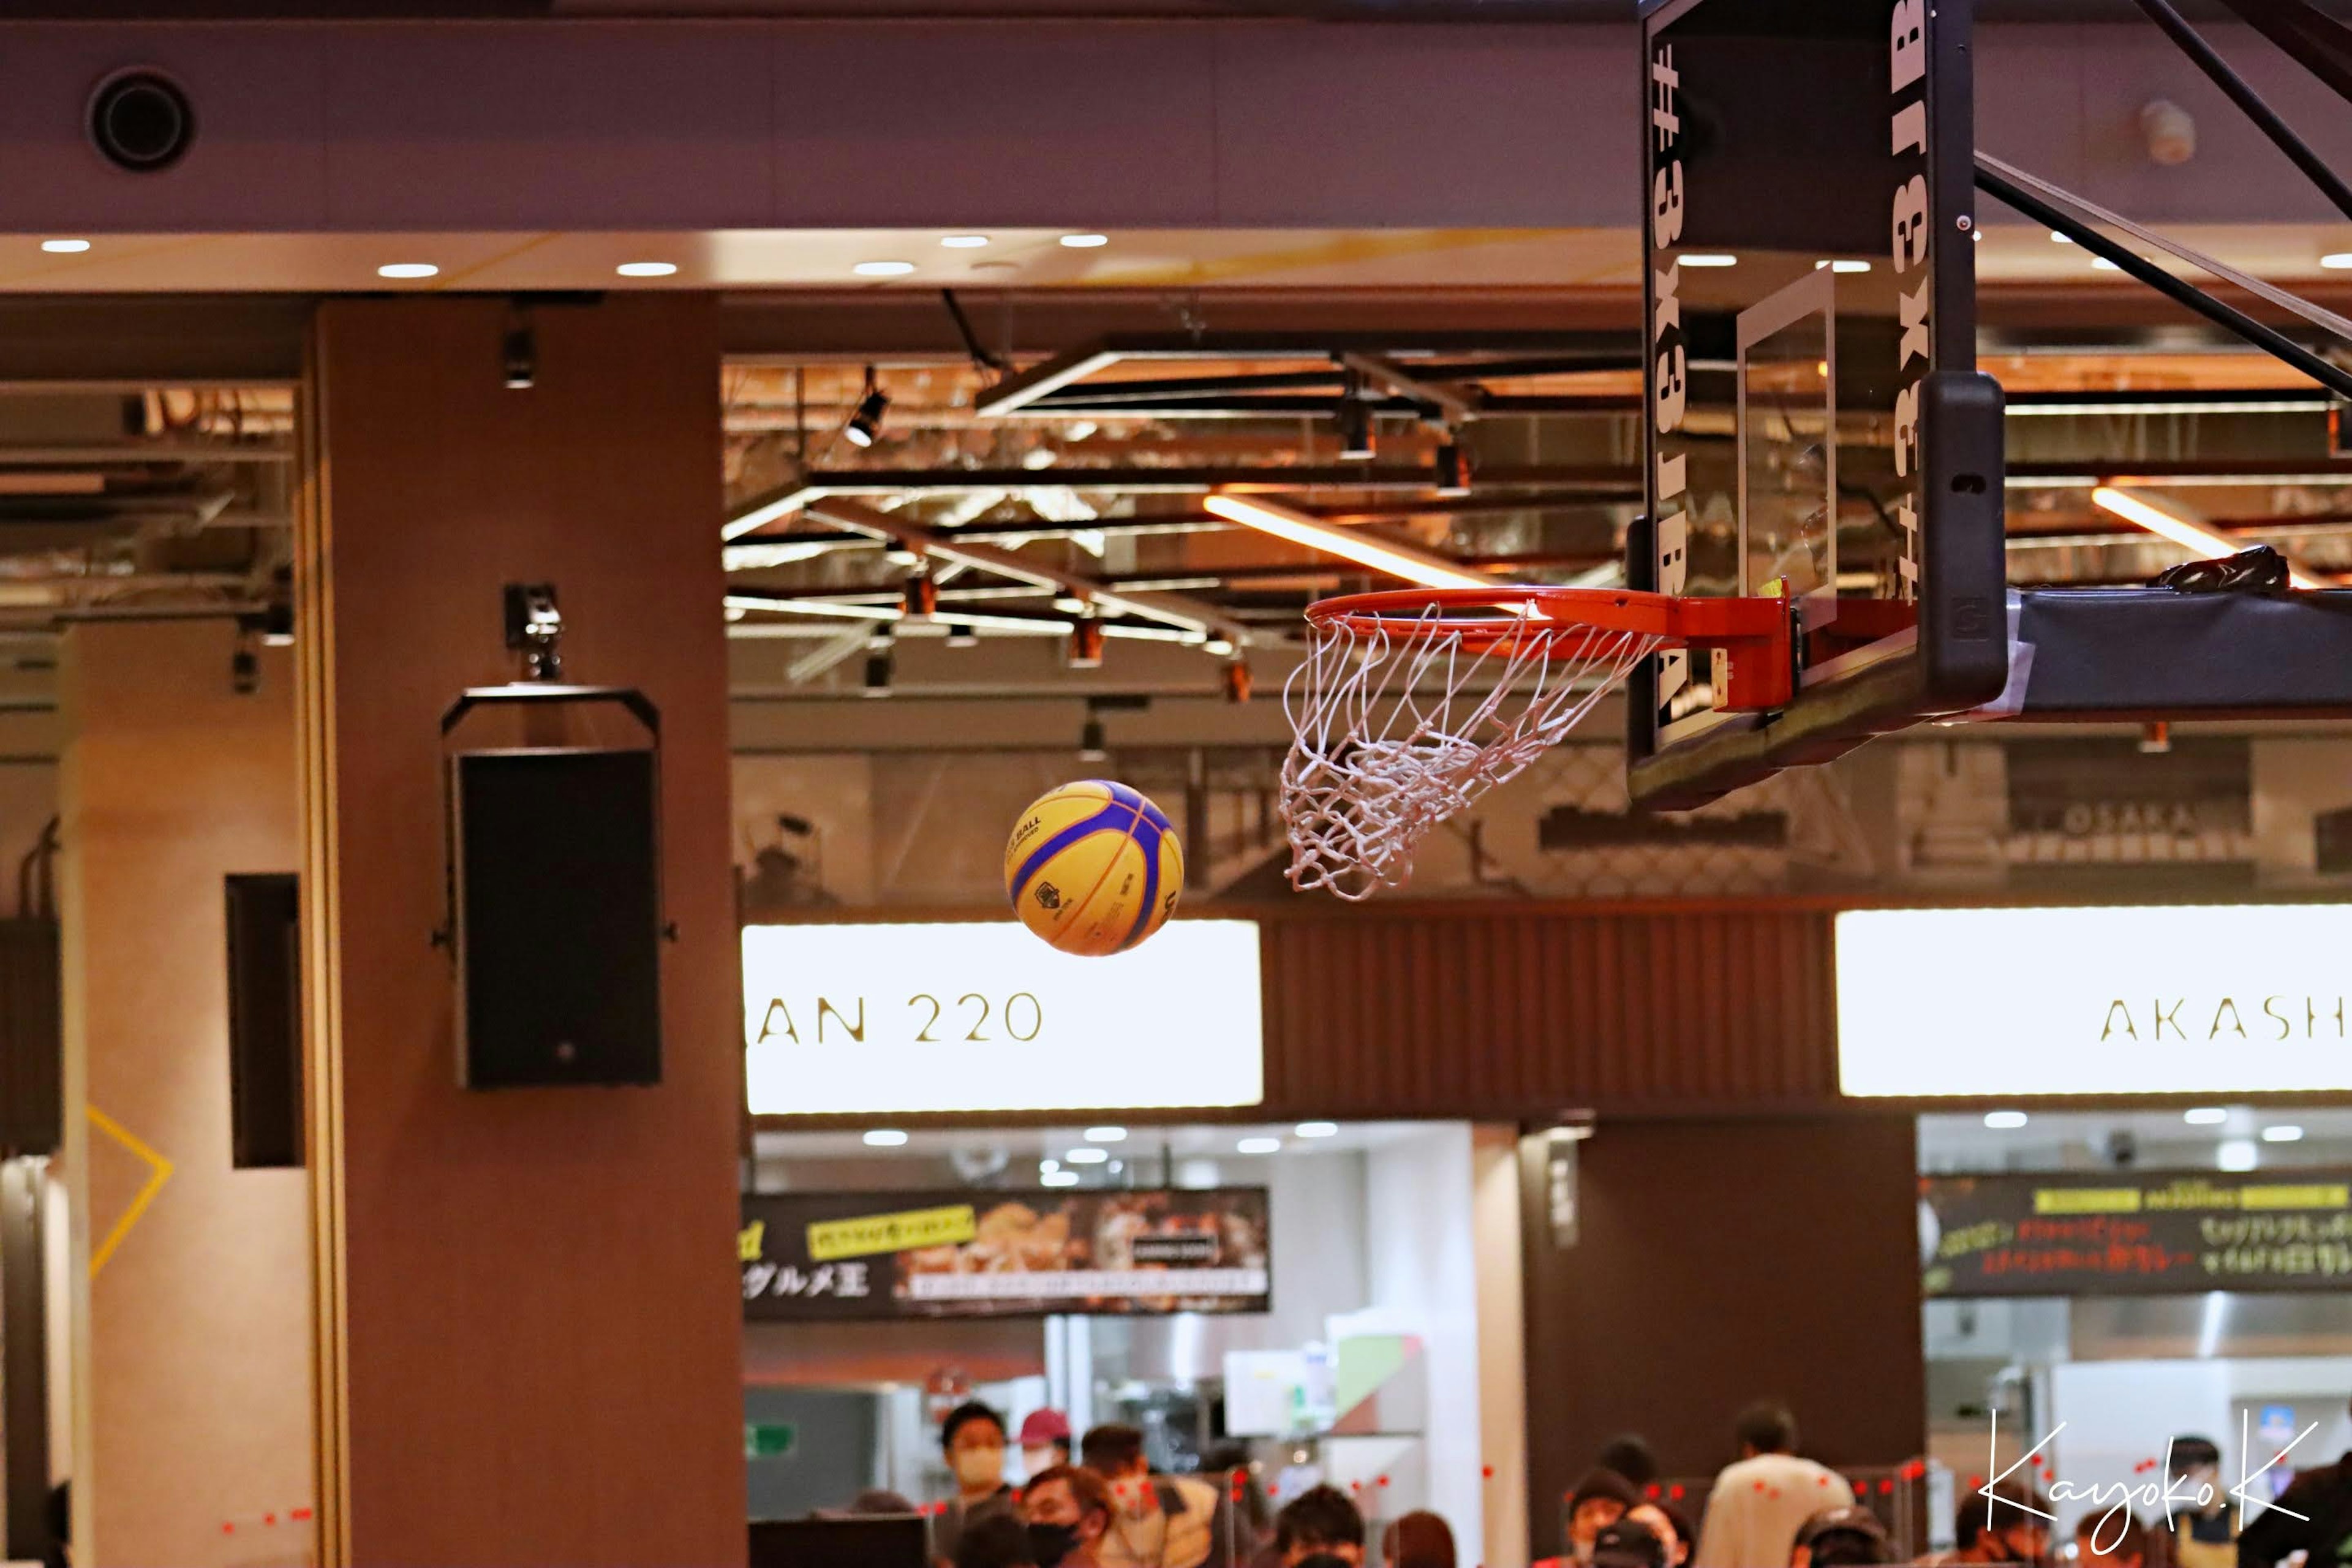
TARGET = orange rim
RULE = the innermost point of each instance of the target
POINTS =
(1555, 621)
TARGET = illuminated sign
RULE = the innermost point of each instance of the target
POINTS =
(2244, 999)
(874, 1019)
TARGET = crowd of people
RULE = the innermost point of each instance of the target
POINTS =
(1102, 1506)
(1770, 1507)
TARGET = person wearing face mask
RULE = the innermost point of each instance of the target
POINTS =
(1068, 1511)
(1044, 1441)
(972, 1438)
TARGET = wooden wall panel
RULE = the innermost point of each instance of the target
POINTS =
(1444, 1010)
(191, 1367)
(532, 1326)
(1718, 1263)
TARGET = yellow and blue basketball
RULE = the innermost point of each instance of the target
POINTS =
(1093, 867)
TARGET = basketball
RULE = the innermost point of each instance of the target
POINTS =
(1093, 866)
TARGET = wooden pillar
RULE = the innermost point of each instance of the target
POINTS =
(1715, 1264)
(528, 1322)
(190, 1278)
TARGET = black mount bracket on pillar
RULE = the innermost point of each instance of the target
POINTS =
(554, 912)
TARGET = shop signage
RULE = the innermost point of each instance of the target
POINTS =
(2136, 1232)
(2227, 999)
(1108, 1253)
(982, 1016)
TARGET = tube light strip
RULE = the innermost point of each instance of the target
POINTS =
(2181, 531)
(1397, 559)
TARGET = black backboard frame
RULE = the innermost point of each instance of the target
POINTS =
(1960, 658)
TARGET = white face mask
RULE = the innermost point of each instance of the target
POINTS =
(1036, 1462)
(978, 1469)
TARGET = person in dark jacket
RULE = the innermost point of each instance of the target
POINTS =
(2322, 1498)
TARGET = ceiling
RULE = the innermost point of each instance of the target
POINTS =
(2012, 253)
(1103, 477)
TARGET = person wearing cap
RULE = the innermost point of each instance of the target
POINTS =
(1044, 1441)
(1759, 1501)
(1628, 1543)
(1847, 1536)
(1601, 1498)
(1669, 1524)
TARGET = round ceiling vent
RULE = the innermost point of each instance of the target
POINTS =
(139, 121)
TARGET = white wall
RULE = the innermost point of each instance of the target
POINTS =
(1422, 1267)
(2121, 1413)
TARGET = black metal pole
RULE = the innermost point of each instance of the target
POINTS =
(2274, 343)
(2193, 44)
(2306, 35)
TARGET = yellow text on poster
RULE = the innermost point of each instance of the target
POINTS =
(869, 1234)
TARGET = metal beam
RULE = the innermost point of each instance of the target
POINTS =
(1614, 479)
(1448, 400)
(1992, 178)
(1018, 392)
(1180, 610)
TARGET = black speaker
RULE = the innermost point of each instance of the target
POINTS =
(559, 926)
(32, 1038)
(265, 1020)
(872, 1541)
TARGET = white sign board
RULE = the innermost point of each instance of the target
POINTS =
(874, 1019)
(2240, 999)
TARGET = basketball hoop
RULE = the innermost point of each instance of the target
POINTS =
(1411, 704)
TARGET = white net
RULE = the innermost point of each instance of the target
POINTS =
(1403, 722)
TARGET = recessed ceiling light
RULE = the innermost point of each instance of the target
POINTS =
(406, 269)
(1849, 266)
(886, 1138)
(2205, 1116)
(2237, 1155)
(1106, 1134)
(964, 241)
(1059, 1179)
(1258, 1146)
(646, 268)
(2057, 238)
(1087, 1156)
(883, 269)
(65, 246)
(2103, 264)
(2282, 1134)
(1047, 1167)
(1085, 241)
(2004, 1121)
(2339, 262)
(1317, 1130)
(1708, 258)
(1977, 234)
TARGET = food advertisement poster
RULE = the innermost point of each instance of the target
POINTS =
(1113, 1253)
(2136, 1232)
